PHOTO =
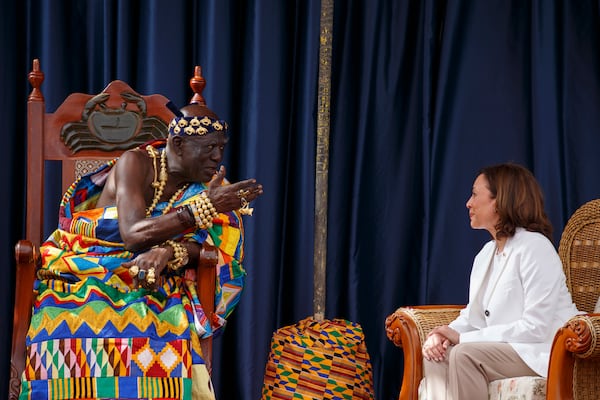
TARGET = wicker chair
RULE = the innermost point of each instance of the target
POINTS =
(574, 370)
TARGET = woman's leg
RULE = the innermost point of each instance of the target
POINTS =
(472, 366)
(436, 379)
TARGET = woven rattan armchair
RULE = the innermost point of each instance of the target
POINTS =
(574, 370)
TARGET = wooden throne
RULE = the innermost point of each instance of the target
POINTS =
(84, 132)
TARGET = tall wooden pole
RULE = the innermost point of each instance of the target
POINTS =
(322, 159)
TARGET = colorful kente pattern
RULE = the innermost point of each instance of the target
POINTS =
(109, 368)
(318, 360)
(92, 335)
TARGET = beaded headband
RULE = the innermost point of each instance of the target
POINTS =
(181, 126)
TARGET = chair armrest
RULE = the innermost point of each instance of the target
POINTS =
(578, 338)
(26, 258)
(407, 328)
(206, 281)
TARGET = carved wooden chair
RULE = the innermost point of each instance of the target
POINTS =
(574, 370)
(83, 133)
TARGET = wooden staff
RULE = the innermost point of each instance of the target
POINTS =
(322, 159)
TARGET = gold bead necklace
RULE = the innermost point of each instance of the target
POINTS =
(160, 181)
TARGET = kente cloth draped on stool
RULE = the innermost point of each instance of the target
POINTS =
(315, 359)
(92, 335)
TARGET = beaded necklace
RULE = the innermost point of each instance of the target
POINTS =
(160, 181)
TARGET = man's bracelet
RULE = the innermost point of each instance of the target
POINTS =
(203, 210)
(186, 215)
(180, 255)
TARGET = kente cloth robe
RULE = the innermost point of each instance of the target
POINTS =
(92, 335)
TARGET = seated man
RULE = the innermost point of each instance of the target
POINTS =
(117, 314)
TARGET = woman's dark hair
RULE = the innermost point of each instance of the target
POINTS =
(519, 200)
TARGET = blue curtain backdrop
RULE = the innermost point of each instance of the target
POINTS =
(424, 93)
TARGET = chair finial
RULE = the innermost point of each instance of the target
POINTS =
(197, 83)
(36, 77)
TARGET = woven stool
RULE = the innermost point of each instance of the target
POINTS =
(318, 360)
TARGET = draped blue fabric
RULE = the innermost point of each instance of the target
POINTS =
(424, 93)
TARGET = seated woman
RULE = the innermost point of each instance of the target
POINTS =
(117, 314)
(518, 297)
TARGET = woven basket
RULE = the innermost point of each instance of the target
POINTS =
(318, 360)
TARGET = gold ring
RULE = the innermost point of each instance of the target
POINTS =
(133, 270)
(242, 193)
(151, 278)
(142, 274)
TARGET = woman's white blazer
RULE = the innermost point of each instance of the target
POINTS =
(529, 299)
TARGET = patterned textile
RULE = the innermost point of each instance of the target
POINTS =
(318, 360)
(92, 335)
(521, 388)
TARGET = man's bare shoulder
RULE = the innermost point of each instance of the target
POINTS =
(133, 162)
(130, 172)
(136, 154)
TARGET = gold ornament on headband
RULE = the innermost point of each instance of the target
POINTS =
(200, 126)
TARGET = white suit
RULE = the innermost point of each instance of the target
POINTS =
(524, 302)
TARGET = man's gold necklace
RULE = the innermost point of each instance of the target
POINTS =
(160, 181)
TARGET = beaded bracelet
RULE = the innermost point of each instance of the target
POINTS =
(203, 210)
(180, 255)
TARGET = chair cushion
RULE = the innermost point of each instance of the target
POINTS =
(521, 388)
